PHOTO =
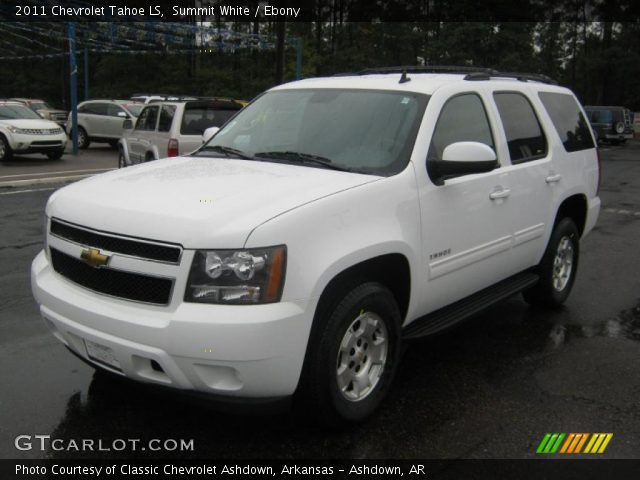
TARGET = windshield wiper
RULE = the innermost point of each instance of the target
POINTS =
(304, 157)
(227, 151)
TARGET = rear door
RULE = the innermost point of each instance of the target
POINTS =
(535, 182)
(144, 129)
(95, 115)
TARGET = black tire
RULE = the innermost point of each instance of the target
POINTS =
(56, 155)
(121, 161)
(149, 157)
(83, 139)
(552, 291)
(5, 149)
(113, 144)
(319, 387)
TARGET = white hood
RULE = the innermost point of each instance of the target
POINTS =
(29, 123)
(196, 202)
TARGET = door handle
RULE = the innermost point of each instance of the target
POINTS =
(502, 193)
(553, 178)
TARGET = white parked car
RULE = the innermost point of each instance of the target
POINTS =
(327, 223)
(23, 131)
(169, 129)
(103, 120)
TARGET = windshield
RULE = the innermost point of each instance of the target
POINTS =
(35, 106)
(356, 130)
(17, 111)
(134, 109)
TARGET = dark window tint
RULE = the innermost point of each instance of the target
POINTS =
(113, 110)
(96, 108)
(462, 119)
(525, 138)
(166, 117)
(198, 117)
(568, 120)
(147, 119)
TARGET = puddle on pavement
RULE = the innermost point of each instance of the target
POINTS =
(624, 325)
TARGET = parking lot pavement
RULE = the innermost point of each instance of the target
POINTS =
(491, 388)
(36, 169)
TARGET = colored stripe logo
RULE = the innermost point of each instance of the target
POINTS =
(574, 443)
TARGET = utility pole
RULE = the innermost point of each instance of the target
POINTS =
(73, 85)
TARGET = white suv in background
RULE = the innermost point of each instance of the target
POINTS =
(330, 221)
(169, 129)
(23, 131)
(103, 120)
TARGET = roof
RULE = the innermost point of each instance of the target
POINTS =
(426, 83)
(422, 79)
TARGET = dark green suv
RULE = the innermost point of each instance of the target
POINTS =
(610, 124)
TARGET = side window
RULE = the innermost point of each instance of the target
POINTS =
(568, 121)
(525, 138)
(147, 119)
(99, 108)
(113, 110)
(462, 119)
(166, 118)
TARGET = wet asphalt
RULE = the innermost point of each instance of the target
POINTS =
(490, 388)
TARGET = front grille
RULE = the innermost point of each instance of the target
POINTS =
(41, 131)
(116, 283)
(134, 248)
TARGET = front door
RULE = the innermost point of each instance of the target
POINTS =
(465, 222)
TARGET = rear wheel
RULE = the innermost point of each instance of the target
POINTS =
(558, 267)
(83, 139)
(5, 149)
(113, 144)
(352, 360)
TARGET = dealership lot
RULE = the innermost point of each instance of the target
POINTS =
(489, 389)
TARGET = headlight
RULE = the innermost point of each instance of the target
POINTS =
(13, 129)
(240, 277)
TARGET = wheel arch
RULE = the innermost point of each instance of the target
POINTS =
(574, 207)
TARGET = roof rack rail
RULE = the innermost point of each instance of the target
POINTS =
(472, 73)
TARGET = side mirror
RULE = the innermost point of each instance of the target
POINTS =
(122, 114)
(209, 133)
(462, 158)
(127, 125)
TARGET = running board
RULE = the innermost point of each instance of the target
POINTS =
(465, 308)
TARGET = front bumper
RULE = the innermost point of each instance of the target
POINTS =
(618, 136)
(239, 351)
(24, 143)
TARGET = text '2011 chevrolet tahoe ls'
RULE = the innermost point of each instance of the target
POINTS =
(326, 223)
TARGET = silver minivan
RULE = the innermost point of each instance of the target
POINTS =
(169, 129)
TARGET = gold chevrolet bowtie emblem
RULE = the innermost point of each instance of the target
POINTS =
(94, 258)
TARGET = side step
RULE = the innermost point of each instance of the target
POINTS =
(465, 308)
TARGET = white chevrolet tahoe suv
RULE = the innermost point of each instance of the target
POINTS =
(327, 223)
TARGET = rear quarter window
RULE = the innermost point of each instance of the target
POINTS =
(568, 121)
(197, 119)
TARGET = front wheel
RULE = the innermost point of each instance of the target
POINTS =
(5, 149)
(558, 267)
(121, 161)
(56, 155)
(352, 360)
